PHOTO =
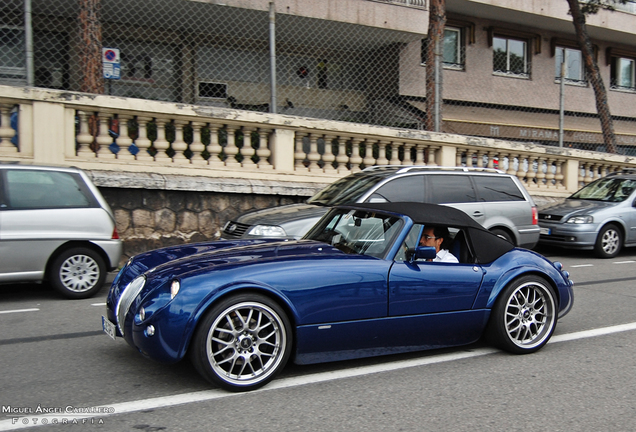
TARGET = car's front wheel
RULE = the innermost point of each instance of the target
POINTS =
(242, 342)
(609, 242)
(524, 316)
(77, 273)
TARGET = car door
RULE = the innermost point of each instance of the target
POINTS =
(420, 287)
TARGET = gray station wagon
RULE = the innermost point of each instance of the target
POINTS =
(55, 226)
(600, 216)
(496, 200)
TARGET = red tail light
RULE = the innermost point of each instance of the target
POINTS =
(535, 216)
(115, 234)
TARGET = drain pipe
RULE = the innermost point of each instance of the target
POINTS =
(272, 56)
(28, 39)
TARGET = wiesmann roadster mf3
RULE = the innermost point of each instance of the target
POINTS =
(358, 284)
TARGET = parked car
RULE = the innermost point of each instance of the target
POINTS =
(600, 216)
(496, 200)
(55, 226)
(357, 285)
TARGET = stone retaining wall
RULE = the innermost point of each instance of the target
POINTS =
(150, 219)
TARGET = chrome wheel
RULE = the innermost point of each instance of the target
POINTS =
(609, 242)
(79, 273)
(242, 343)
(529, 315)
(524, 317)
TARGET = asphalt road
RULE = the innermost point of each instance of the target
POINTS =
(55, 357)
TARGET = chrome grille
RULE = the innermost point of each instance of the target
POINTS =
(235, 229)
(126, 300)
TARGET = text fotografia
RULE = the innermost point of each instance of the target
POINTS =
(69, 409)
(57, 420)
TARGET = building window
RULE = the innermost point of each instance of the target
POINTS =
(622, 72)
(453, 50)
(510, 57)
(574, 67)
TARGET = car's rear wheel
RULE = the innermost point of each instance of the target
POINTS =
(77, 273)
(242, 343)
(524, 316)
(609, 242)
(503, 234)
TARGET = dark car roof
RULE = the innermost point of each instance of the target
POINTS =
(425, 213)
(486, 246)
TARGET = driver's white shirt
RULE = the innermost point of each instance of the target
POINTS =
(445, 256)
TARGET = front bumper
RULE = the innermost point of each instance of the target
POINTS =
(573, 236)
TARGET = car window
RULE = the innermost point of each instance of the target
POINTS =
(409, 188)
(492, 189)
(347, 190)
(357, 232)
(32, 189)
(445, 189)
(607, 189)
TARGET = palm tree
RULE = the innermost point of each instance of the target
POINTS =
(90, 49)
(578, 13)
(436, 24)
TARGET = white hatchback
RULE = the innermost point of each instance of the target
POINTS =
(55, 226)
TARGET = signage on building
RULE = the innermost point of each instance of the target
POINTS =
(111, 63)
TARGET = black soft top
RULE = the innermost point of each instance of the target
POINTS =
(486, 246)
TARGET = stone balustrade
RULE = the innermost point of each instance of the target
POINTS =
(134, 136)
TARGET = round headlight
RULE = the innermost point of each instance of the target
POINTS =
(174, 288)
(267, 231)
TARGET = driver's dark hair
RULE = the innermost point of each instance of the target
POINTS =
(442, 232)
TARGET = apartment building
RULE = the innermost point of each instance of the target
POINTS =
(353, 60)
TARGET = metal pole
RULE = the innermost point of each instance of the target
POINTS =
(562, 100)
(437, 86)
(28, 40)
(272, 56)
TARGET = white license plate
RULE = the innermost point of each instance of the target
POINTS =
(545, 231)
(109, 328)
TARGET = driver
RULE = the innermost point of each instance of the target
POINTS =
(436, 236)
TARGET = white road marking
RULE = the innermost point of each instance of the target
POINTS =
(93, 414)
(582, 265)
(98, 304)
(19, 310)
(623, 262)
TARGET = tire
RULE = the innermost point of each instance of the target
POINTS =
(609, 242)
(524, 316)
(242, 343)
(77, 273)
(503, 234)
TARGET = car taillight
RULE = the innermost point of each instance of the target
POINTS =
(535, 216)
(115, 234)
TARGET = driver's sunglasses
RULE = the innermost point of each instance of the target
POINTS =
(428, 237)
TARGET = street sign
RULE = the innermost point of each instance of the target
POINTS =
(111, 63)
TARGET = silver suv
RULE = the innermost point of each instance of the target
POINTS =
(55, 226)
(493, 198)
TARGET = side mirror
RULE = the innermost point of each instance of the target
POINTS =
(423, 253)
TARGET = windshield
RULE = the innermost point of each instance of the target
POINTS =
(607, 189)
(347, 190)
(357, 232)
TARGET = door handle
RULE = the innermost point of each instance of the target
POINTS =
(478, 214)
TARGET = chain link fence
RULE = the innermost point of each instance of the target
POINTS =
(207, 54)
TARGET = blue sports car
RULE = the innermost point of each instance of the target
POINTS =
(358, 284)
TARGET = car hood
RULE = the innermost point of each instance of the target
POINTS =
(571, 207)
(179, 261)
(282, 214)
